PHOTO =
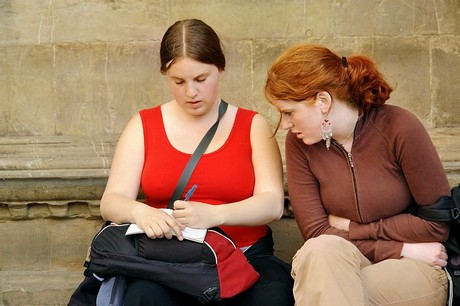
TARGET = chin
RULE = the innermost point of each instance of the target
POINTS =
(309, 142)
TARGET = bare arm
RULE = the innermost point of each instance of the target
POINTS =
(118, 203)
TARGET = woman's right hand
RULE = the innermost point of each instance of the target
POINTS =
(156, 223)
(431, 253)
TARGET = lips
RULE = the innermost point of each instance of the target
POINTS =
(193, 104)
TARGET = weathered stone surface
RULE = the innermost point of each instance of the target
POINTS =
(38, 288)
(45, 22)
(72, 73)
(445, 89)
(55, 157)
(245, 19)
(46, 244)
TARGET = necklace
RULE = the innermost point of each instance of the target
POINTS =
(351, 133)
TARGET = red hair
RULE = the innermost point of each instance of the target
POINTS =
(302, 71)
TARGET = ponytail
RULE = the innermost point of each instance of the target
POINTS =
(366, 84)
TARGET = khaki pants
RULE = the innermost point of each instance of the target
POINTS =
(331, 271)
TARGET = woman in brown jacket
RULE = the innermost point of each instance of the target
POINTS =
(354, 166)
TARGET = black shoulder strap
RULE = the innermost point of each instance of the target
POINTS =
(196, 156)
(445, 209)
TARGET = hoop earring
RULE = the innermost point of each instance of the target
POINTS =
(326, 132)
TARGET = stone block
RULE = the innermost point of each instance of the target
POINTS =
(245, 19)
(317, 19)
(405, 63)
(445, 90)
(236, 84)
(435, 17)
(377, 18)
(38, 288)
(46, 244)
(28, 97)
(25, 246)
(101, 86)
(43, 22)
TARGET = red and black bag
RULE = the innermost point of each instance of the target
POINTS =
(213, 270)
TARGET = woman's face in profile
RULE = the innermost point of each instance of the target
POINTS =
(302, 118)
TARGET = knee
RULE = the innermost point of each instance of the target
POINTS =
(323, 248)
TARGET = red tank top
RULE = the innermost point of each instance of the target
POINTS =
(223, 176)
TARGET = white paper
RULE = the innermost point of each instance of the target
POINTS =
(192, 234)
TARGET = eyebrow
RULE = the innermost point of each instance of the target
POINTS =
(205, 74)
(286, 109)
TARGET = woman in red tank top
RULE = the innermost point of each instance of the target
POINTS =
(239, 177)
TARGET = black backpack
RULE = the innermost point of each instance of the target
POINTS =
(447, 209)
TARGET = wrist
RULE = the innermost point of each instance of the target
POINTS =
(404, 250)
(136, 211)
(218, 215)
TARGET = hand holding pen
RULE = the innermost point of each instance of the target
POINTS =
(180, 207)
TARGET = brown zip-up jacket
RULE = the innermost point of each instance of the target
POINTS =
(392, 165)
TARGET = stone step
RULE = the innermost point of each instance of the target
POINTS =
(38, 288)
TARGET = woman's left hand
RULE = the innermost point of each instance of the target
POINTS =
(432, 253)
(193, 214)
(339, 222)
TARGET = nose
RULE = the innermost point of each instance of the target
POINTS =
(286, 124)
(191, 90)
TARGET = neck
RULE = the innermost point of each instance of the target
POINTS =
(352, 131)
(344, 122)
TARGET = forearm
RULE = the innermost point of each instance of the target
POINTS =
(403, 227)
(119, 208)
(259, 209)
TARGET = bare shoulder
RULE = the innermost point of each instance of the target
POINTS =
(260, 126)
(133, 131)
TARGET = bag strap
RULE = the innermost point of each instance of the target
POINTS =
(196, 157)
(445, 209)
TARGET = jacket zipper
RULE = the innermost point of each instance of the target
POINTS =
(352, 170)
(352, 165)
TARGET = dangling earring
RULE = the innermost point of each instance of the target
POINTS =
(326, 132)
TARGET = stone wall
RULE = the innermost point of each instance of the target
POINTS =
(72, 73)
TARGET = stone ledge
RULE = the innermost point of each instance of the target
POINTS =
(51, 189)
(61, 170)
(56, 157)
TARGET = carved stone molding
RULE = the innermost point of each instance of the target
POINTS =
(64, 177)
(53, 177)
(41, 210)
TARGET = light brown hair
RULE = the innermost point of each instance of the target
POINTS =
(194, 39)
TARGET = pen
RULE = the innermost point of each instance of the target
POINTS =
(190, 192)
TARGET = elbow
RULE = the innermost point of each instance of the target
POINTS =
(440, 231)
(103, 208)
(278, 211)
(445, 232)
